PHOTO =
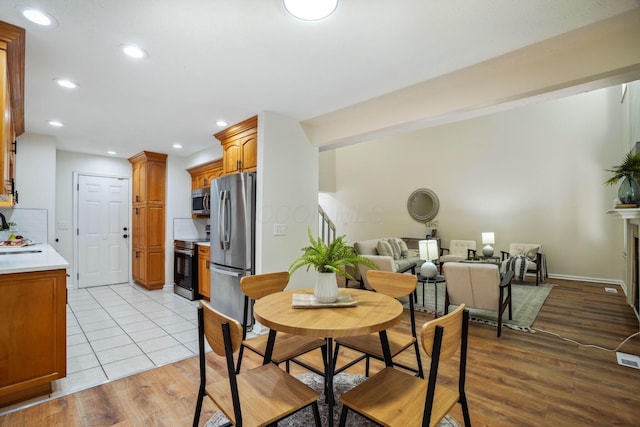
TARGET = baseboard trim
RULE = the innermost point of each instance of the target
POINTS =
(591, 280)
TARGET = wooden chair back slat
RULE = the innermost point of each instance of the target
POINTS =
(452, 324)
(260, 285)
(213, 321)
(395, 285)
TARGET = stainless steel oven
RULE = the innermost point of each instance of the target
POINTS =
(185, 268)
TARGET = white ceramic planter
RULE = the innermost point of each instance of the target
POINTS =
(326, 289)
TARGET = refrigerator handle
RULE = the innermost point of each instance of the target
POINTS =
(227, 272)
(207, 202)
(223, 238)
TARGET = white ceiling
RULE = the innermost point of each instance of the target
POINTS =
(231, 59)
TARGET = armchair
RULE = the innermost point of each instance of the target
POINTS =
(478, 286)
(458, 250)
(525, 258)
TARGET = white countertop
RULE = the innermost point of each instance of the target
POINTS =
(24, 260)
(204, 244)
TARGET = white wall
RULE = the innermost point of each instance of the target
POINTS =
(533, 174)
(36, 176)
(287, 194)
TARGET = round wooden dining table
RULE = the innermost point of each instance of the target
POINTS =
(372, 312)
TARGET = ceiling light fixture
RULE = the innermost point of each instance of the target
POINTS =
(55, 123)
(310, 10)
(38, 17)
(111, 152)
(221, 123)
(66, 83)
(134, 51)
(177, 146)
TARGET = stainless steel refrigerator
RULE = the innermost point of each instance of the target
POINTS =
(233, 213)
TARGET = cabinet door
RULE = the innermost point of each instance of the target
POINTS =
(139, 265)
(203, 272)
(138, 228)
(249, 150)
(155, 182)
(231, 157)
(154, 224)
(154, 276)
(33, 318)
(139, 172)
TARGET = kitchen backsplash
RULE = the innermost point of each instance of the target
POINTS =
(30, 223)
(189, 228)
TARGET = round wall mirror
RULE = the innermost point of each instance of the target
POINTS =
(423, 205)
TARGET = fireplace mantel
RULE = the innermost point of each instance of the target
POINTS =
(631, 237)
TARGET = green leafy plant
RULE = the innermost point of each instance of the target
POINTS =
(629, 167)
(331, 258)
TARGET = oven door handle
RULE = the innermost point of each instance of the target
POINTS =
(183, 251)
(227, 272)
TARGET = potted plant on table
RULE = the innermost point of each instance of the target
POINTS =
(329, 260)
(628, 171)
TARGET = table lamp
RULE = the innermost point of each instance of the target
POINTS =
(428, 252)
(488, 239)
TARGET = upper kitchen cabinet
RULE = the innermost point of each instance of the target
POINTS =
(148, 218)
(12, 50)
(202, 175)
(240, 147)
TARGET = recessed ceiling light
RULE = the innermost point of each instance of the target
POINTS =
(221, 123)
(38, 17)
(111, 152)
(310, 10)
(55, 123)
(134, 51)
(66, 83)
(177, 146)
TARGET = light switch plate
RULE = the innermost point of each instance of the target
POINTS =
(280, 229)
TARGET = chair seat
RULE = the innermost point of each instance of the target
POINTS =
(371, 345)
(287, 346)
(394, 398)
(285, 395)
(451, 258)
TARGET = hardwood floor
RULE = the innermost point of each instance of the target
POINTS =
(520, 379)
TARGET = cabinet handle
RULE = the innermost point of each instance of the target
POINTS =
(136, 211)
(137, 254)
(137, 198)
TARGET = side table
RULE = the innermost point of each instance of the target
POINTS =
(435, 280)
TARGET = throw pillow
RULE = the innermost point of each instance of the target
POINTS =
(395, 246)
(384, 248)
(404, 249)
(532, 253)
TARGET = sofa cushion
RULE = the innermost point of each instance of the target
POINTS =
(397, 252)
(367, 247)
(384, 248)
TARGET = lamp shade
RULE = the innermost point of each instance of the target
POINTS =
(488, 238)
(428, 249)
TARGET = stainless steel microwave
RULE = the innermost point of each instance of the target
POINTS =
(200, 201)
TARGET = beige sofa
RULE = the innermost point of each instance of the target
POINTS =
(389, 253)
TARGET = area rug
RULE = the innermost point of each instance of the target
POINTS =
(342, 383)
(527, 300)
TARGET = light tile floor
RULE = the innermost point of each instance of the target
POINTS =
(119, 330)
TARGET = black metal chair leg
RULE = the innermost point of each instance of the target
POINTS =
(239, 359)
(343, 416)
(196, 416)
(316, 414)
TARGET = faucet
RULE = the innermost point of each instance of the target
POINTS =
(4, 225)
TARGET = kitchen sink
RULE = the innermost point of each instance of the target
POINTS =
(19, 252)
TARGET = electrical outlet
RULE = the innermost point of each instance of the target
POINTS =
(280, 229)
(630, 360)
(611, 290)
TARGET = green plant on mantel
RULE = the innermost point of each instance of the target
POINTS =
(630, 167)
(331, 258)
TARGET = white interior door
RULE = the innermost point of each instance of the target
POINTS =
(103, 230)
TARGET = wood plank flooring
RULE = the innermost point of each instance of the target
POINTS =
(520, 379)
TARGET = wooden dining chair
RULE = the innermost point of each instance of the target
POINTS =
(287, 346)
(393, 397)
(257, 397)
(395, 285)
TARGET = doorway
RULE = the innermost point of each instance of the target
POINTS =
(102, 232)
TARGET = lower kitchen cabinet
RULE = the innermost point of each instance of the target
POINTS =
(203, 271)
(33, 337)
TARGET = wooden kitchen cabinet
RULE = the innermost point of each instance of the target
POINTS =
(240, 147)
(204, 287)
(11, 105)
(202, 175)
(33, 334)
(148, 218)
